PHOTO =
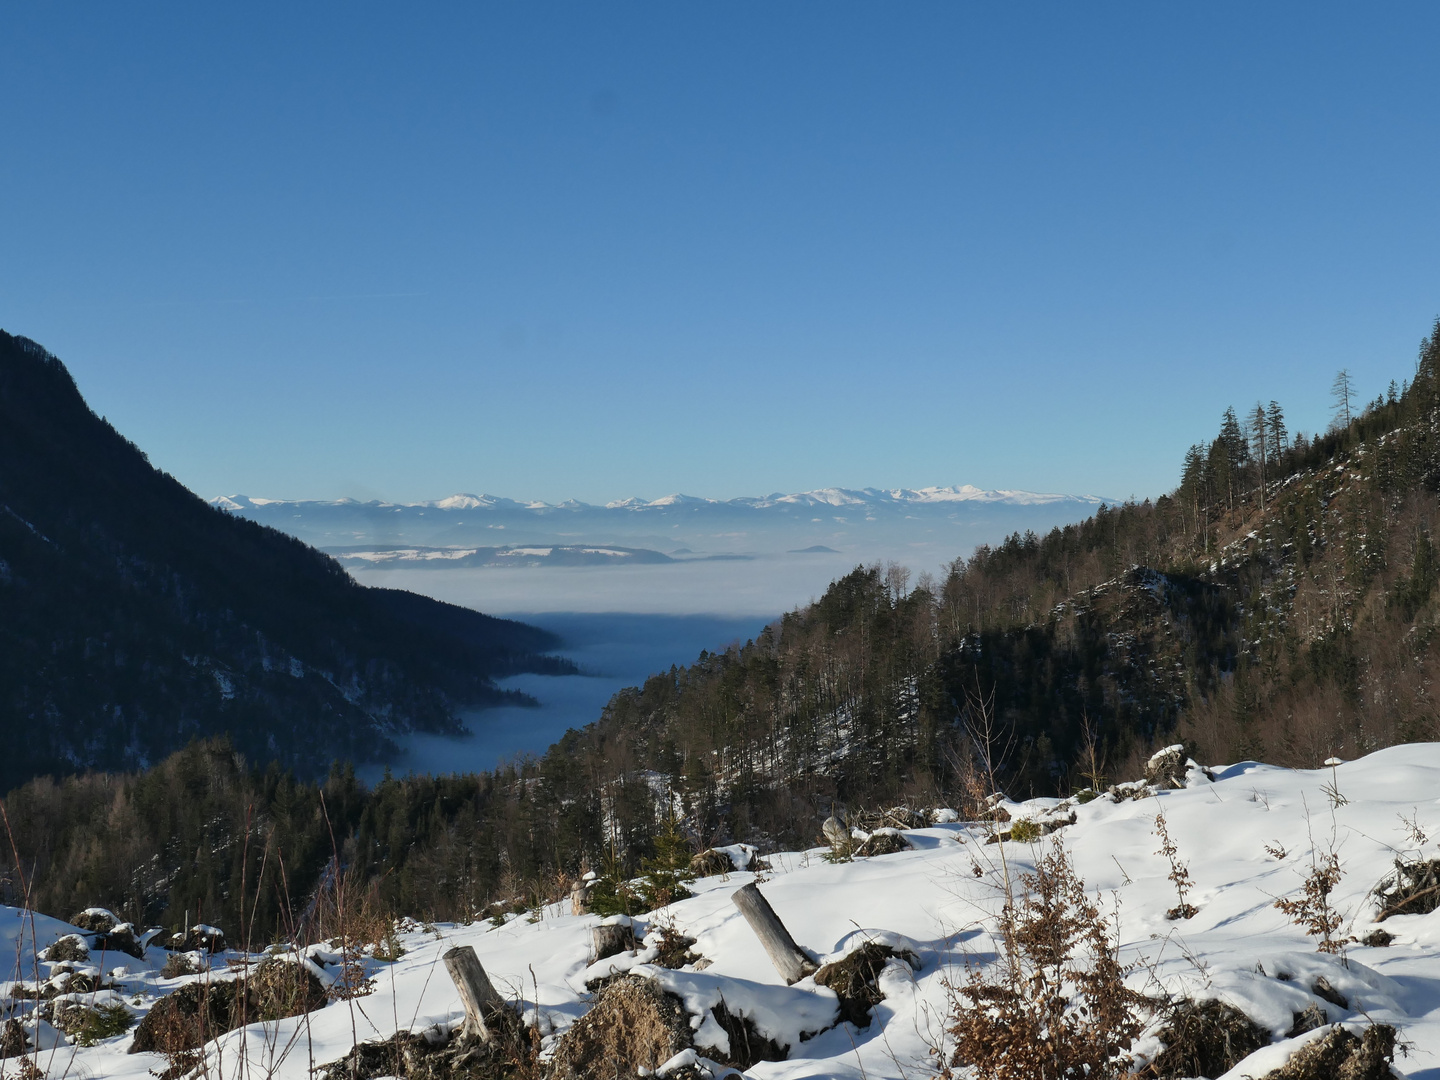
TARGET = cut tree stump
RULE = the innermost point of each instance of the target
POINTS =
(612, 938)
(476, 993)
(789, 959)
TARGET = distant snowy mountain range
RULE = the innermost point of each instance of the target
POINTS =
(923, 526)
(832, 496)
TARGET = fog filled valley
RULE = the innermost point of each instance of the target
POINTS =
(697, 788)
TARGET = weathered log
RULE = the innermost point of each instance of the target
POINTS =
(612, 938)
(789, 959)
(476, 993)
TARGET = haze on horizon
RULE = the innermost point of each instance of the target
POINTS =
(564, 252)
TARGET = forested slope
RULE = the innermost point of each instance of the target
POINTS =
(1279, 603)
(135, 618)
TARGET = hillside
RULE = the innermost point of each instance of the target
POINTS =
(137, 618)
(1278, 604)
(1236, 987)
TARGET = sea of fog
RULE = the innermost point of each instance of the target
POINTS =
(619, 624)
(613, 650)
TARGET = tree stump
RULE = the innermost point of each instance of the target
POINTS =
(476, 993)
(789, 959)
(612, 938)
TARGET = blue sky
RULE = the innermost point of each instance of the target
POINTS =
(593, 250)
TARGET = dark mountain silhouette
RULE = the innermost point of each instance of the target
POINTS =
(134, 617)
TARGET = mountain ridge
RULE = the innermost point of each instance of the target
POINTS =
(828, 496)
(137, 617)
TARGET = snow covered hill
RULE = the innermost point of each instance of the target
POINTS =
(1250, 836)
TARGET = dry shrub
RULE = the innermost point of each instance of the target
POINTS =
(1206, 1039)
(187, 1018)
(634, 1024)
(512, 1053)
(884, 842)
(280, 988)
(672, 950)
(1054, 1004)
(711, 863)
(178, 964)
(1343, 1055)
(1179, 873)
(71, 947)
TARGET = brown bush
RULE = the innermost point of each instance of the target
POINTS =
(1054, 1003)
(710, 863)
(634, 1024)
(71, 947)
(882, 843)
(1342, 1055)
(187, 1019)
(511, 1054)
(1205, 1039)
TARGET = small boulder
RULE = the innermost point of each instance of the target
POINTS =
(1307, 1019)
(1323, 990)
(836, 834)
(121, 939)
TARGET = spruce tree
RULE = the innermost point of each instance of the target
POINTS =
(1259, 444)
(1279, 440)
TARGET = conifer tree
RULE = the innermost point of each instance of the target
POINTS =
(1259, 444)
(1278, 438)
(1342, 390)
(1228, 455)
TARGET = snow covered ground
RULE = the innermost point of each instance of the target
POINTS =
(1239, 948)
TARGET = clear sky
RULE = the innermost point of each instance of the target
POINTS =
(596, 250)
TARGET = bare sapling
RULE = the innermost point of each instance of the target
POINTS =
(1332, 789)
(1179, 873)
(1312, 910)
